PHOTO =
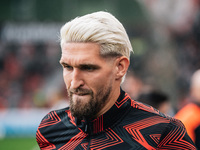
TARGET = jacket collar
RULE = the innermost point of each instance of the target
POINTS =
(108, 119)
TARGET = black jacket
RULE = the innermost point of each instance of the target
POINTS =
(127, 125)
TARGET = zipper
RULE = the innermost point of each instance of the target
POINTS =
(89, 131)
(88, 148)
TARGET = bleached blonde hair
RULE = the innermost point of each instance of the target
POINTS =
(99, 27)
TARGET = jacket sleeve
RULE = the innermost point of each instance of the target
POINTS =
(175, 137)
(42, 141)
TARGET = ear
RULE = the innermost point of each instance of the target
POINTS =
(122, 64)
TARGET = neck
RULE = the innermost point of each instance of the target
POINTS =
(111, 101)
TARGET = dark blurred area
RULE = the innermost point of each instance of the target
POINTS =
(165, 36)
(156, 99)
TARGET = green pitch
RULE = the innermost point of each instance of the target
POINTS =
(18, 144)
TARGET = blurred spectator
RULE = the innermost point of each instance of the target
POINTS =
(157, 99)
(24, 70)
(190, 114)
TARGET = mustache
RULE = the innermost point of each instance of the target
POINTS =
(79, 91)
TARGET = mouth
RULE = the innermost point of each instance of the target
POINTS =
(80, 94)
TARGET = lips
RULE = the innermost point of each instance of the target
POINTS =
(80, 94)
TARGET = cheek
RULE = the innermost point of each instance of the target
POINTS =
(99, 81)
(66, 79)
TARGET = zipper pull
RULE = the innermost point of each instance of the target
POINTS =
(86, 128)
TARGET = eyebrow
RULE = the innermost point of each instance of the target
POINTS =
(62, 63)
(82, 65)
(89, 65)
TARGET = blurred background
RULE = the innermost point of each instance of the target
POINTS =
(165, 36)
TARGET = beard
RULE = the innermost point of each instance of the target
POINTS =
(90, 104)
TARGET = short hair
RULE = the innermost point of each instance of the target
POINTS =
(101, 28)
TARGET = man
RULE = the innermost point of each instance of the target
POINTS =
(95, 58)
(190, 114)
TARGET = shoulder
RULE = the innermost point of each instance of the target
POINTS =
(171, 131)
(148, 112)
(142, 116)
(175, 135)
(47, 132)
(147, 109)
(51, 122)
(151, 116)
(53, 117)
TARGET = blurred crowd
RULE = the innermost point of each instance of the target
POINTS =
(30, 75)
(26, 72)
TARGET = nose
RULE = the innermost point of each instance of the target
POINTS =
(76, 80)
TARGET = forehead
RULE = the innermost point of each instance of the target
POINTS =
(80, 51)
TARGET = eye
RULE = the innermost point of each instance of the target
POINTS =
(65, 66)
(88, 68)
